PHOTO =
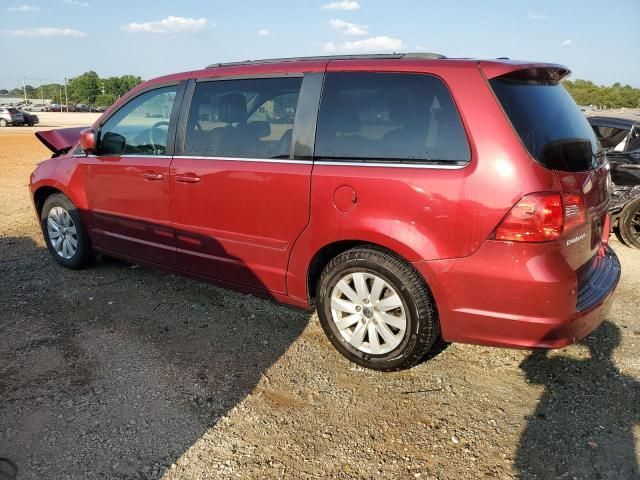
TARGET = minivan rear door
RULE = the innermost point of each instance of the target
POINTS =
(558, 136)
(239, 192)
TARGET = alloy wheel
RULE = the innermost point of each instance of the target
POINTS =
(62, 232)
(368, 313)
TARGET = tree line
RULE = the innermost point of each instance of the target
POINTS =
(585, 92)
(87, 88)
(90, 89)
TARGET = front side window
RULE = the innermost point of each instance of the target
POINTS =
(389, 117)
(250, 118)
(141, 126)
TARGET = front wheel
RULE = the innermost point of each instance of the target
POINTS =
(64, 232)
(376, 309)
(629, 224)
(3, 122)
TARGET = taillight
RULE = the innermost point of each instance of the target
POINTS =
(575, 212)
(542, 217)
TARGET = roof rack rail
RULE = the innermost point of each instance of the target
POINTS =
(372, 56)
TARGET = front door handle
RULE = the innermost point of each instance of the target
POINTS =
(152, 176)
(187, 178)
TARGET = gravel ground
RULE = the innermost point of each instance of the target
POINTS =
(120, 372)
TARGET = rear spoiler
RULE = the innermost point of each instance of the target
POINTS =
(61, 140)
(550, 72)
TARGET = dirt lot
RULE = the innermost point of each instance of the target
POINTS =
(121, 372)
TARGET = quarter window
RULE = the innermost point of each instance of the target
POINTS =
(389, 117)
(250, 118)
(141, 126)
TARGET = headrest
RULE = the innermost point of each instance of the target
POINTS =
(346, 118)
(259, 129)
(233, 108)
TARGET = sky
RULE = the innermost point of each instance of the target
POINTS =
(47, 40)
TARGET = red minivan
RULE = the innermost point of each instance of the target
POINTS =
(407, 196)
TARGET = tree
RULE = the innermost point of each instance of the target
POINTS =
(105, 99)
(84, 88)
(4, 91)
(118, 86)
(585, 92)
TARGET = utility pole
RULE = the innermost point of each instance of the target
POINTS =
(66, 98)
(42, 94)
(24, 89)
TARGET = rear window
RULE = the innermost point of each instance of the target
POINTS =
(549, 123)
(13, 110)
(389, 117)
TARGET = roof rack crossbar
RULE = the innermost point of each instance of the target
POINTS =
(372, 56)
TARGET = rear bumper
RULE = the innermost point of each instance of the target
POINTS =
(521, 296)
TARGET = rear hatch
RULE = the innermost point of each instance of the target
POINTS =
(558, 136)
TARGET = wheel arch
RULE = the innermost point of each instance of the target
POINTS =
(41, 194)
(331, 250)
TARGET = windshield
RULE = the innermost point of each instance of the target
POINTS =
(549, 123)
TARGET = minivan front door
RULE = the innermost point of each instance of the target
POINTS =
(239, 199)
(127, 182)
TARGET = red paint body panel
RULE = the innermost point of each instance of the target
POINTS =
(60, 139)
(239, 223)
(256, 226)
(511, 294)
(130, 211)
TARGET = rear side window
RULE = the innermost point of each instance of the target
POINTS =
(549, 123)
(250, 118)
(389, 117)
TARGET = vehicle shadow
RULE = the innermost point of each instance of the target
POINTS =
(583, 424)
(115, 371)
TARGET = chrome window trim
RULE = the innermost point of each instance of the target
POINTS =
(300, 162)
(123, 155)
(391, 165)
(241, 159)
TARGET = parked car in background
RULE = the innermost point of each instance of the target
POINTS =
(407, 196)
(619, 135)
(70, 107)
(101, 109)
(81, 107)
(30, 118)
(10, 116)
(54, 107)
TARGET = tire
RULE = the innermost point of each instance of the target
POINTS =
(3, 122)
(629, 224)
(403, 299)
(616, 231)
(60, 211)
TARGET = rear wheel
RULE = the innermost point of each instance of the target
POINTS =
(3, 122)
(629, 224)
(376, 310)
(64, 232)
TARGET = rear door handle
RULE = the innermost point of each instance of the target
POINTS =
(187, 178)
(152, 176)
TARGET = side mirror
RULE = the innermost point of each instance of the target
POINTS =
(112, 144)
(88, 141)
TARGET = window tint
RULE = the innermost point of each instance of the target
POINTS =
(140, 126)
(250, 118)
(549, 123)
(389, 117)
